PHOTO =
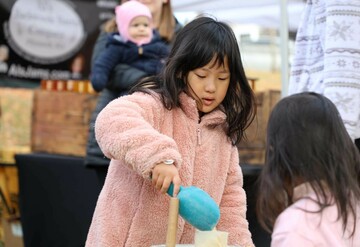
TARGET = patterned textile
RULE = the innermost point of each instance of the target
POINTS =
(327, 56)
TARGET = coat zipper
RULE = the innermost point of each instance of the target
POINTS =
(199, 136)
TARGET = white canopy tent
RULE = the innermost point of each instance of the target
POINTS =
(283, 15)
(262, 12)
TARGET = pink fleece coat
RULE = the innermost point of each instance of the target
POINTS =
(297, 226)
(137, 132)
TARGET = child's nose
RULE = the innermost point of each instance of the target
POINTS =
(210, 86)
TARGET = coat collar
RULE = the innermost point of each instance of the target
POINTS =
(188, 105)
(305, 189)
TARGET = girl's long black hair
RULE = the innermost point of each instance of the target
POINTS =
(195, 45)
(307, 142)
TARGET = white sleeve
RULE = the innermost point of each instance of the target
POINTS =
(342, 61)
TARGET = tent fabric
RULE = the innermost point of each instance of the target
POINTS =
(265, 13)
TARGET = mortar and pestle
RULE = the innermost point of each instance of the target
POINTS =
(197, 207)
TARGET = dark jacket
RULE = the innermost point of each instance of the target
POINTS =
(148, 58)
(122, 77)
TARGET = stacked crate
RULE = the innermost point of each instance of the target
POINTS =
(15, 122)
(252, 150)
(61, 121)
(53, 119)
(16, 105)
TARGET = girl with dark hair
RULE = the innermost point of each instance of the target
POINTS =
(178, 127)
(309, 193)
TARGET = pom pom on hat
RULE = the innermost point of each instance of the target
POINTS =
(124, 15)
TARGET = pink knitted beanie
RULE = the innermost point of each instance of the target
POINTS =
(128, 11)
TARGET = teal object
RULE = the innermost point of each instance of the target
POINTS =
(197, 207)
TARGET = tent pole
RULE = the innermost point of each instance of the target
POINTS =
(284, 47)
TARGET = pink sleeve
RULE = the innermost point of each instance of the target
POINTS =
(127, 129)
(233, 206)
(290, 238)
(295, 228)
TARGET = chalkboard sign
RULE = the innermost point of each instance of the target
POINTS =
(50, 39)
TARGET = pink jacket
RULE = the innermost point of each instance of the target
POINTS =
(137, 133)
(297, 228)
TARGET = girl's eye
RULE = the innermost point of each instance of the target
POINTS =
(223, 79)
(200, 76)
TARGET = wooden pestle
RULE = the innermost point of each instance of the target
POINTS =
(172, 222)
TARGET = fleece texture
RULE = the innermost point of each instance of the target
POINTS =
(299, 226)
(136, 132)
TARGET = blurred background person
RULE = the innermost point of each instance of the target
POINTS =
(4, 53)
(77, 67)
(136, 44)
(124, 76)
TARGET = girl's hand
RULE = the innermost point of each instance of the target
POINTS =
(164, 174)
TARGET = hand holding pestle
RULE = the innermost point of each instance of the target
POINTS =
(197, 207)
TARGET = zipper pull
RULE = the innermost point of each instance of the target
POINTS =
(199, 136)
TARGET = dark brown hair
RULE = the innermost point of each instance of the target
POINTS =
(195, 46)
(307, 142)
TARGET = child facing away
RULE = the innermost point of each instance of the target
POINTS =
(179, 127)
(309, 193)
(136, 44)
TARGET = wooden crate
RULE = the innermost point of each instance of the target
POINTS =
(16, 105)
(252, 150)
(9, 185)
(9, 206)
(61, 122)
(12, 232)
